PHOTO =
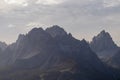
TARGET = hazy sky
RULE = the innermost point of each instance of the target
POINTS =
(83, 18)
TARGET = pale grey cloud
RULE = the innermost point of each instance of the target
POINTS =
(84, 18)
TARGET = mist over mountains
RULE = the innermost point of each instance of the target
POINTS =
(54, 54)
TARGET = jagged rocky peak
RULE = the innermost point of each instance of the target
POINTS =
(103, 41)
(104, 34)
(20, 37)
(84, 42)
(38, 34)
(56, 30)
(36, 31)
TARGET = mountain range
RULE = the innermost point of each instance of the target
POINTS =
(54, 54)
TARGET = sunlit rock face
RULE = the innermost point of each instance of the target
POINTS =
(104, 45)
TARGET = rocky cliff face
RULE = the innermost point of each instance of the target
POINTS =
(104, 45)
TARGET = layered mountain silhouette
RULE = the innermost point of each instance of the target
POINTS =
(52, 54)
(103, 45)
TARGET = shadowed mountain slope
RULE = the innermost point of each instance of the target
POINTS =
(52, 54)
